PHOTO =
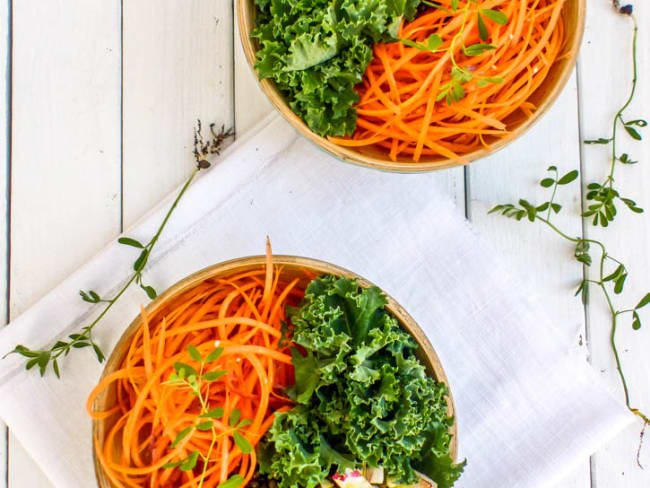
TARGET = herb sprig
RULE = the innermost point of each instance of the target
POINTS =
(611, 272)
(603, 195)
(187, 377)
(454, 89)
(84, 337)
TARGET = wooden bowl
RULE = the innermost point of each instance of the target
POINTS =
(292, 267)
(574, 13)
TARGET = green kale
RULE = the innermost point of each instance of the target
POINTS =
(318, 50)
(362, 394)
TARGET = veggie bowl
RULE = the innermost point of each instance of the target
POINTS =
(412, 86)
(316, 378)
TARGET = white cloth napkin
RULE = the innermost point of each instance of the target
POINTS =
(528, 408)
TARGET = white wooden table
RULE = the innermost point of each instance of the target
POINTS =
(100, 99)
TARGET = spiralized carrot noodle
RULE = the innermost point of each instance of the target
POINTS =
(243, 314)
(399, 109)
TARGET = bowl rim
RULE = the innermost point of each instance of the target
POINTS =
(321, 267)
(351, 156)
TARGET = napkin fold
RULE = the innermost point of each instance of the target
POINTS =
(528, 406)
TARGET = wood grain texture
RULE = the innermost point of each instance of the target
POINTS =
(178, 66)
(605, 80)
(532, 250)
(5, 124)
(65, 152)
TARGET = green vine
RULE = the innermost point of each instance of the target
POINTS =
(84, 338)
(610, 281)
(604, 195)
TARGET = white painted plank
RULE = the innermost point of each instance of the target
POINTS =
(605, 77)
(5, 121)
(65, 187)
(251, 106)
(178, 66)
(533, 250)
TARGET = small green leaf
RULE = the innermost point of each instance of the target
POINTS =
(583, 290)
(214, 375)
(242, 443)
(547, 182)
(477, 49)
(568, 178)
(190, 462)
(99, 353)
(620, 270)
(496, 16)
(556, 207)
(637, 122)
(482, 29)
(150, 291)
(551, 168)
(636, 322)
(215, 413)
(434, 41)
(194, 353)
(31, 363)
(237, 479)
(454, 5)
(181, 435)
(488, 80)
(214, 355)
(188, 370)
(55, 367)
(235, 416)
(204, 426)
(90, 297)
(244, 423)
(171, 465)
(600, 140)
(543, 206)
(625, 159)
(140, 263)
(127, 241)
(461, 75)
(619, 283)
(643, 302)
(634, 134)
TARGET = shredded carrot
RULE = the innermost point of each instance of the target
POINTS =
(243, 314)
(401, 109)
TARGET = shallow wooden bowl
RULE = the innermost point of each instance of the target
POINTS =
(292, 267)
(574, 12)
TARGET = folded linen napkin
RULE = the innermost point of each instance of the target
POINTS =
(528, 408)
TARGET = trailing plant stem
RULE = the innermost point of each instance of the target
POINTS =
(614, 313)
(619, 114)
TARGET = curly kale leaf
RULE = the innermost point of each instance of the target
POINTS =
(317, 51)
(363, 395)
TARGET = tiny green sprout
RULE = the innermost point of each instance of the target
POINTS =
(235, 480)
(235, 416)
